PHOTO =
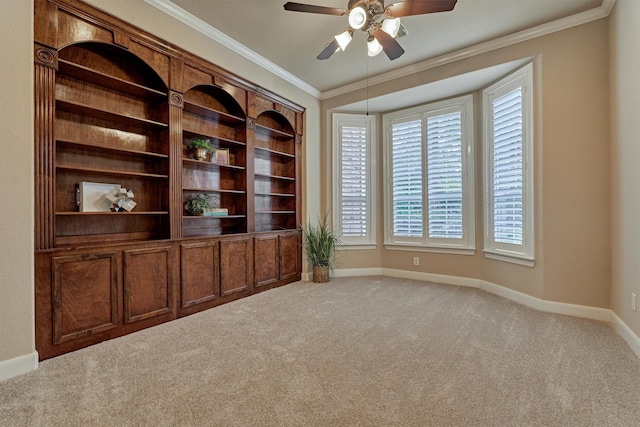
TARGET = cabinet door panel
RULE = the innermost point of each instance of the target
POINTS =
(265, 260)
(147, 283)
(235, 265)
(85, 295)
(289, 260)
(200, 273)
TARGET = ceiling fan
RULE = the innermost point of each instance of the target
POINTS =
(381, 23)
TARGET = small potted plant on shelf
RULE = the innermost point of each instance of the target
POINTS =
(200, 148)
(320, 244)
(197, 204)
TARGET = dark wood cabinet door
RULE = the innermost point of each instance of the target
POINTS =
(289, 259)
(147, 283)
(84, 295)
(265, 260)
(235, 265)
(200, 273)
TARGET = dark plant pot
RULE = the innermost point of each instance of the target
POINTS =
(320, 274)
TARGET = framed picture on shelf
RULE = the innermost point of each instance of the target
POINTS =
(220, 156)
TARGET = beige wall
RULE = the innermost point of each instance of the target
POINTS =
(16, 176)
(571, 171)
(625, 159)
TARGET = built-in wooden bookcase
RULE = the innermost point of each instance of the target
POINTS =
(211, 113)
(111, 127)
(115, 106)
(275, 173)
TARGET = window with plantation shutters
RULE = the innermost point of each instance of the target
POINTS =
(429, 178)
(354, 181)
(406, 171)
(354, 189)
(444, 175)
(508, 167)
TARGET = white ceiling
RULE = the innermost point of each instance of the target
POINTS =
(287, 43)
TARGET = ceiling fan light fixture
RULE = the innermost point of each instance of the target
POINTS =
(373, 46)
(344, 39)
(391, 26)
(357, 17)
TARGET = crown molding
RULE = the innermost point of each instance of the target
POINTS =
(169, 8)
(531, 33)
(199, 25)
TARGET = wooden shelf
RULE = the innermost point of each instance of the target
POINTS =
(213, 115)
(112, 213)
(273, 133)
(88, 110)
(214, 190)
(208, 165)
(112, 149)
(111, 172)
(267, 153)
(275, 194)
(284, 178)
(202, 217)
(275, 212)
(222, 142)
(95, 77)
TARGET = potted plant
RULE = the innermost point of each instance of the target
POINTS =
(200, 148)
(320, 244)
(198, 203)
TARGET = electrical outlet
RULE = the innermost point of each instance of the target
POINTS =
(416, 260)
(633, 301)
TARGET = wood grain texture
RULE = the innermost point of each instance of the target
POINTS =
(84, 295)
(200, 273)
(266, 257)
(114, 104)
(148, 286)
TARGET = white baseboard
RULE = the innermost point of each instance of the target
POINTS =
(583, 311)
(18, 366)
(626, 333)
(429, 277)
(354, 272)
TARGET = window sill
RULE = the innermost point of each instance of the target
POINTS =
(346, 247)
(512, 258)
(433, 249)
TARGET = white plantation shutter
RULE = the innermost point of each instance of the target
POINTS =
(354, 181)
(429, 177)
(354, 194)
(508, 151)
(507, 168)
(444, 176)
(406, 172)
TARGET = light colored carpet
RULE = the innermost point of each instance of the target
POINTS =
(369, 351)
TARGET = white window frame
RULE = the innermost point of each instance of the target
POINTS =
(466, 245)
(339, 120)
(519, 254)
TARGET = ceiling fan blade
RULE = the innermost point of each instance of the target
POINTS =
(329, 50)
(390, 46)
(309, 8)
(419, 7)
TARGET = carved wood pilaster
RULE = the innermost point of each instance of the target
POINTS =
(44, 138)
(176, 103)
(45, 56)
(176, 99)
(251, 123)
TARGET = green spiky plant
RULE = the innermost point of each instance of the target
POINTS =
(320, 243)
